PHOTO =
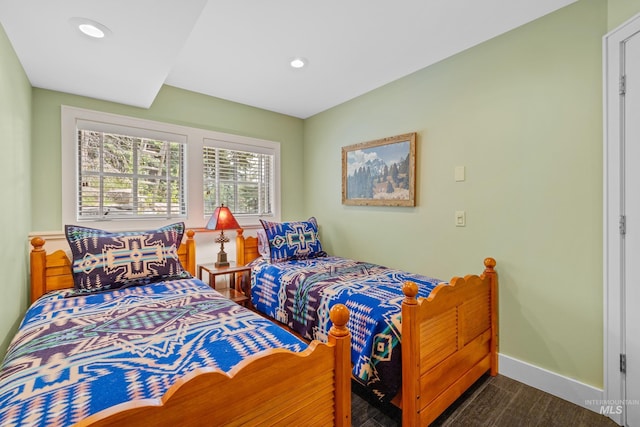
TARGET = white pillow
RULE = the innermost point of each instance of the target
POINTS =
(263, 245)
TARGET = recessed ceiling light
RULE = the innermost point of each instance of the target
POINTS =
(90, 28)
(298, 62)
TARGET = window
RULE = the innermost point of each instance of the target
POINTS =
(126, 176)
(241, 180)
(119, 170)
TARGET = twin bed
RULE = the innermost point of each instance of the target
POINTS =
(170, 352)
(175, 351)
(416, 342)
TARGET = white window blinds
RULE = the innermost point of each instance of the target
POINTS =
(242, 180)
(129, 173)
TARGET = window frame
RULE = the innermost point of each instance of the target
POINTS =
(103, 128)
(225, 145)
(195, 141)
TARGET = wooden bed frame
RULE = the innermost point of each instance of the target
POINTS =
(312, 387)
(449, 340)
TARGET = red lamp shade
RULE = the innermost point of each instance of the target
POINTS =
(222, 219)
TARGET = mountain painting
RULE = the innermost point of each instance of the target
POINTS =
(380, 172)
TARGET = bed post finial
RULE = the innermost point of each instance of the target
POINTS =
(489, 264)
(410, 291)
(339, 315)
(340, 337)
(37, 243)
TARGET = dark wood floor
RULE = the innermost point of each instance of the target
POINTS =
(492, 401)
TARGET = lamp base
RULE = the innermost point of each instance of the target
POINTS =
(222, 259)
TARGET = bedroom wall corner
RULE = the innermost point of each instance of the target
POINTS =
(15, 215)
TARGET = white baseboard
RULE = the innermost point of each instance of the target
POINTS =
(581, 394)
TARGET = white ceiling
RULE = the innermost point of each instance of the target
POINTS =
(240, 50)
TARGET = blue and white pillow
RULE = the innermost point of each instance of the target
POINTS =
(103, 260)
(293, 240)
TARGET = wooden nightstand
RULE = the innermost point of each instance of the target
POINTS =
(232, 292)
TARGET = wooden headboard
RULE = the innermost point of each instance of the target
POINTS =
(50, 272)
(246, 248)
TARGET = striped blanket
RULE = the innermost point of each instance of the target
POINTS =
(300, 293)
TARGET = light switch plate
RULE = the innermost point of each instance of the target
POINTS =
(461, 219)
(459, 173)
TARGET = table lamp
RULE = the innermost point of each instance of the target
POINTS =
(222, 219)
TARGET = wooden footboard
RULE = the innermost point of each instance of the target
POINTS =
(449, 340)
(280, 387)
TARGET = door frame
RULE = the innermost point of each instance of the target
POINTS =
(612, 250)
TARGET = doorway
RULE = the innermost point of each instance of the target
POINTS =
(622, 224)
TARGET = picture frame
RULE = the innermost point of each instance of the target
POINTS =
(380, 172)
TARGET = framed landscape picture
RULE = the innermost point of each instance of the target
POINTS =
(380, 172)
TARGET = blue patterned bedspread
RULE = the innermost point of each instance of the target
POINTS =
(74, 357)
(300, 293)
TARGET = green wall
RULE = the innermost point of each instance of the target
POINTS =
(621, 10)
(15, 215)
(172, 105)
(523, 113)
